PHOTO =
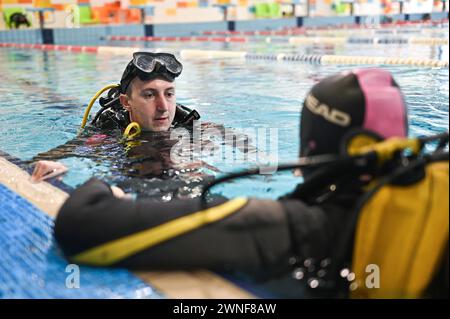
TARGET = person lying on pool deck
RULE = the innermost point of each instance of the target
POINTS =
(358, 181)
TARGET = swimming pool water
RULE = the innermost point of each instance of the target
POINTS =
(361, 49)
(44, 94)
(279, 44)
(42, 100)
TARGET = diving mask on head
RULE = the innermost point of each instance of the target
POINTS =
(148, 66)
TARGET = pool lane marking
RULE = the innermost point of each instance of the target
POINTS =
(212, 54)
(293, 40)
(176, 284)
(315, 59)
(413, 25)
(75, 48)
(345, 32)
(51, 47)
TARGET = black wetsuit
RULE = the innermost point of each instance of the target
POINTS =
(260, 237)
(110, 121)
(143, 167)
(139, 168)
(264, 238)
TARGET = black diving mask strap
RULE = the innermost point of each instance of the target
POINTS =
(159, 72)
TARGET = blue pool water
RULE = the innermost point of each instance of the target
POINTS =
(391, 50)
(279, 44)
(44, 95)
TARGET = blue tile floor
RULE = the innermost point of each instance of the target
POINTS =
(31, 265)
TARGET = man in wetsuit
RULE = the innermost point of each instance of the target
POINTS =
(146, 95)
(302, 229)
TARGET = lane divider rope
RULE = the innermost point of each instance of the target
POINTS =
(291, 40)
(209, 54)
(400, 25)
(316, 59)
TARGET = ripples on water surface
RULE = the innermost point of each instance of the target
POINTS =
(44, 94)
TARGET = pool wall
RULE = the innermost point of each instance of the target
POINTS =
(95, 35)
(35, 267)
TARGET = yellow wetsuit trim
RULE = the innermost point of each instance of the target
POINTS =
(112, 252)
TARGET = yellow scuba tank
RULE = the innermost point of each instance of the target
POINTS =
(401, 237)
(395, 240)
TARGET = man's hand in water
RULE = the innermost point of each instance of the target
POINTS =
(119, 193)
(47, 169)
